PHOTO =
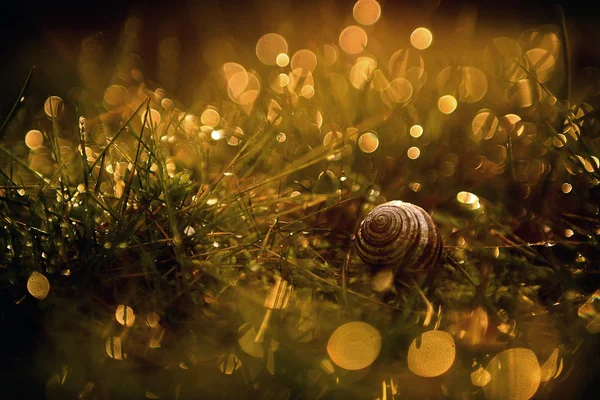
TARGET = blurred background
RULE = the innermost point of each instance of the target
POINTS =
(48, 34)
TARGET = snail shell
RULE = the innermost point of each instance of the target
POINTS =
(401, 235)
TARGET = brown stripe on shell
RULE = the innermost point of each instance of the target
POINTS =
(401, 235)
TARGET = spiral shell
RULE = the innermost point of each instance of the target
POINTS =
(401, 235)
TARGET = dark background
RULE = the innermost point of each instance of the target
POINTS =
(47, 34)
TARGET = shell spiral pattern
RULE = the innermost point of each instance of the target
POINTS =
(400, 235)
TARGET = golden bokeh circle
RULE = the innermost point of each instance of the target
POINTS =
(114, 348)
(114, 97)
(421, 38)
(353, 39)
(354, 345)
(329, 54)
(399, 91)
(53, 107)
(433, 356)
(413, 153)
(362, 72)
(541, 63)
(152, 319)
(124, 315)
(307, 91)
(416, 131)
(282, 60)
(467, 198)
(34, 139)
(514, 375)
(366, 12)
(331, 138)
(234, 139)
(38, 285)
(269, 47)
(473, 85)
(210, 117)
(236, 78)
(304, 61)
(447, 104)
(368, 142)
(484, 124)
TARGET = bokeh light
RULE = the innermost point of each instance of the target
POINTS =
(54, 107)
(416, 131)
(421, 38)
(447, 104)
(353, 39)
(34, 139)
(269, 47)
(125, 315)
(304, 62)
(413, 153)
(515, 374)
(38, 285)
(366, 12)
(282, 60)
(368, 142)
(210, 117)
(354, 346)
(432, 354)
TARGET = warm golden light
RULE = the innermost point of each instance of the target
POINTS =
(34, 139)
(590, 311)
(53, 107)
(541, 63)
(447, 104)
(228, 363)
(269, 47)
(413, 153)
(282, 60)
(38, 285)
(399, 91)
(331, 137)
(354, 346)
(236, 77)
(416, 131)
(215, 135)
(114, 348)
(234, 139)
(368, 142)
(433, 356)
(480, 377)
(304, 62)
(153, 118)
(114, 96)
(484, 124)
(210, 117)
(421, 38)
(366, 12)
(515, 375)
(362, 72)
(124, 315)
(569, 233)
(467, 198)
(152, 319)
(551, 368)
(566, 188)
(353, 39)
(329, 54)
(511, 124)
(473, 85)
